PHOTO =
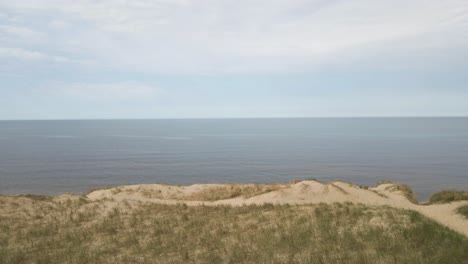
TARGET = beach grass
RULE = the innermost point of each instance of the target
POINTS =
(233, 191)
(448, 196)
(463, 210)
(405, 189)
(108, 231)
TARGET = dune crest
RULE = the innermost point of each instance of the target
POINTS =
(303, 192)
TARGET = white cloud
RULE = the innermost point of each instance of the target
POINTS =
(118, 91)
(23, 54)
(224, 36)
(58, 24)
(21, 32)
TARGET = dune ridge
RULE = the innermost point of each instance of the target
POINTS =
(296, 193)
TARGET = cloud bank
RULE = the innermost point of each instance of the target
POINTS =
(232, 58)
(232, 37)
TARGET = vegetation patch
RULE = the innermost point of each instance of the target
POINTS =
(36, 197)
(463, 210)
(384, 182)
(234, 190)
(100, 188)
(112, 232)
(339, 188)
(405, 189)
(448, 196)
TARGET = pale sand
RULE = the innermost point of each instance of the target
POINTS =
(305, 192)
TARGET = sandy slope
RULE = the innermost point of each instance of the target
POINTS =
(305, 192)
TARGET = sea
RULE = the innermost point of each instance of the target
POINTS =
(53, 157)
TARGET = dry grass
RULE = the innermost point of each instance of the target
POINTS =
(37, 197)
(339, 188)
(384, 182)
(77, 231)
(99, 188)
(463, 210)
(154, 194)
(234, 190)
(406, 190)
(448, 196)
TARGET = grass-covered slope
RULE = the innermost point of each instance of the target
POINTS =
(447, 196)
(106, 231)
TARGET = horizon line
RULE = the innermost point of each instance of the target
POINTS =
(220, 118)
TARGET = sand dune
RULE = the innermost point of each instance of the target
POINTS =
(304, 192)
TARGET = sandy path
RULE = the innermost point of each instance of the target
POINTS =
(305, 192)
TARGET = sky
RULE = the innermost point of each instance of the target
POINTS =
(100, 59)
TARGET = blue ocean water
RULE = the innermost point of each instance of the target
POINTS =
(53, 157)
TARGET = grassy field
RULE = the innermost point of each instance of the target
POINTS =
(39, 230)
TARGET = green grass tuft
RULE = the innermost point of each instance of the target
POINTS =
(448, 196)
(463, 210)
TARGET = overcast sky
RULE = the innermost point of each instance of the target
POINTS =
(80, 59)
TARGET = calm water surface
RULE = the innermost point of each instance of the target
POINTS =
(53, 157)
